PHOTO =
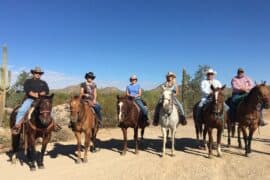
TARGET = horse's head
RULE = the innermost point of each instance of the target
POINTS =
(123, 103)
(217, 99)
(44, 108)
(263, 94)
(74, 105)
(167, 99)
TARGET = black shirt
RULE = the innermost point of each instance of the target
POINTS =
(35, 85)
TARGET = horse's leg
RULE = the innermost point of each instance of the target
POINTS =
(239, 136)
(45, 141)
(219, 134)
(15, 147)
(164, 134)
(31, 151)
(93, 140)
(233, 129)
(88, 136)
(124, 130)
(136, 140)
(210, 143)
(142, 133)
(244, 131)
(251, 132)
(204, 137)
(229, 130)
(78, 137)
(173, 139)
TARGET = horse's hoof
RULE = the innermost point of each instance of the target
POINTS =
(123, 153)
(210, 156)
(219, 155)
(41, 166)
(137, 152)
(85, 161)
(32, 169)
(78, 161)
(173, 155)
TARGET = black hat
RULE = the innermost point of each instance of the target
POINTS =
(240, 70)
(90, 75)
(37, 70)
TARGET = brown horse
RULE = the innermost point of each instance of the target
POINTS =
(213, 115)
(248, 113)
(40, 124)
(129, 116)
(200, 124)
(83, 120)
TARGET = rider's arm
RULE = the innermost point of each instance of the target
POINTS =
(176, 90)
(95, 96)
(139, 93)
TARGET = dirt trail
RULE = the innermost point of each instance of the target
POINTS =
(189, 162)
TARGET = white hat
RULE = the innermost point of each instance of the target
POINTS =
(170, 74)
(210, 71)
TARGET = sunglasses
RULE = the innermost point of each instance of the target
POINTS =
(38, 73)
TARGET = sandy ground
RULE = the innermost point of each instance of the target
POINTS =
(189, 162)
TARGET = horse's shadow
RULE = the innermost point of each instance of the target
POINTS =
(63, 149)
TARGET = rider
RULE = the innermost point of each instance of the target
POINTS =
(88, 91)
(206, 89)
(241, 85)
(170, 83)
(134, 90)
(34, 88)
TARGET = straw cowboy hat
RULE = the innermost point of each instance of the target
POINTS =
(37, 70)
(170, 74)
(210, 71)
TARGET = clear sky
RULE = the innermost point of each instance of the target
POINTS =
(117, 38)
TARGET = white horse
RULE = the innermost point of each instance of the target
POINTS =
(168, 116)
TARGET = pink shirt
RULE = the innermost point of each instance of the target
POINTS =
(241, 83)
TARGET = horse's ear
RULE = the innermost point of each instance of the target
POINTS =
(223, 87)
(52, 95)
(118, 96)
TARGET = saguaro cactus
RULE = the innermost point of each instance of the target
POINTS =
(5, 76)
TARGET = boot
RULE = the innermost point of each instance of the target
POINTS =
(146, 120)
(100, 124)
(156, 115)
(182, 119)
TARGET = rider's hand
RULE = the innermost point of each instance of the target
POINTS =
(94, 101)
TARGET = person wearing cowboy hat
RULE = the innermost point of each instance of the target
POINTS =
(206, 89)
(170, 83)
(88, 91)
(33, 88)
(134, 90)
(241, 85)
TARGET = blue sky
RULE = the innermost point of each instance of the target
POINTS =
(117, 38)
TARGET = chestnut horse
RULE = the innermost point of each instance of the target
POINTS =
(83, 120)
(40, 124)
(129, 116)
(214, 116)
(248, 113)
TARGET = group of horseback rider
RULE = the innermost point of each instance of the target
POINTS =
(34, 88)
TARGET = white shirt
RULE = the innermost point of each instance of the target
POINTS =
(206, 86)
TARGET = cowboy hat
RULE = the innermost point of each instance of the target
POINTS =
(210, 71)
(37, 70)
(90, 75)
(170, 74)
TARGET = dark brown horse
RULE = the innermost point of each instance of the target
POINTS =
(200, 123)
(40, 124)
(248, 113)
(83, 120)
(129, 116)
(213, 116)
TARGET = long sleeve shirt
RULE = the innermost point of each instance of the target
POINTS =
(238, 84)
(206, 86)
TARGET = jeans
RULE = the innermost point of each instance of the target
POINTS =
(97, 109)
(23, 109)
(179, 105)
(139, 102)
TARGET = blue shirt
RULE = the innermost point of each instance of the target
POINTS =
(133, 89)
